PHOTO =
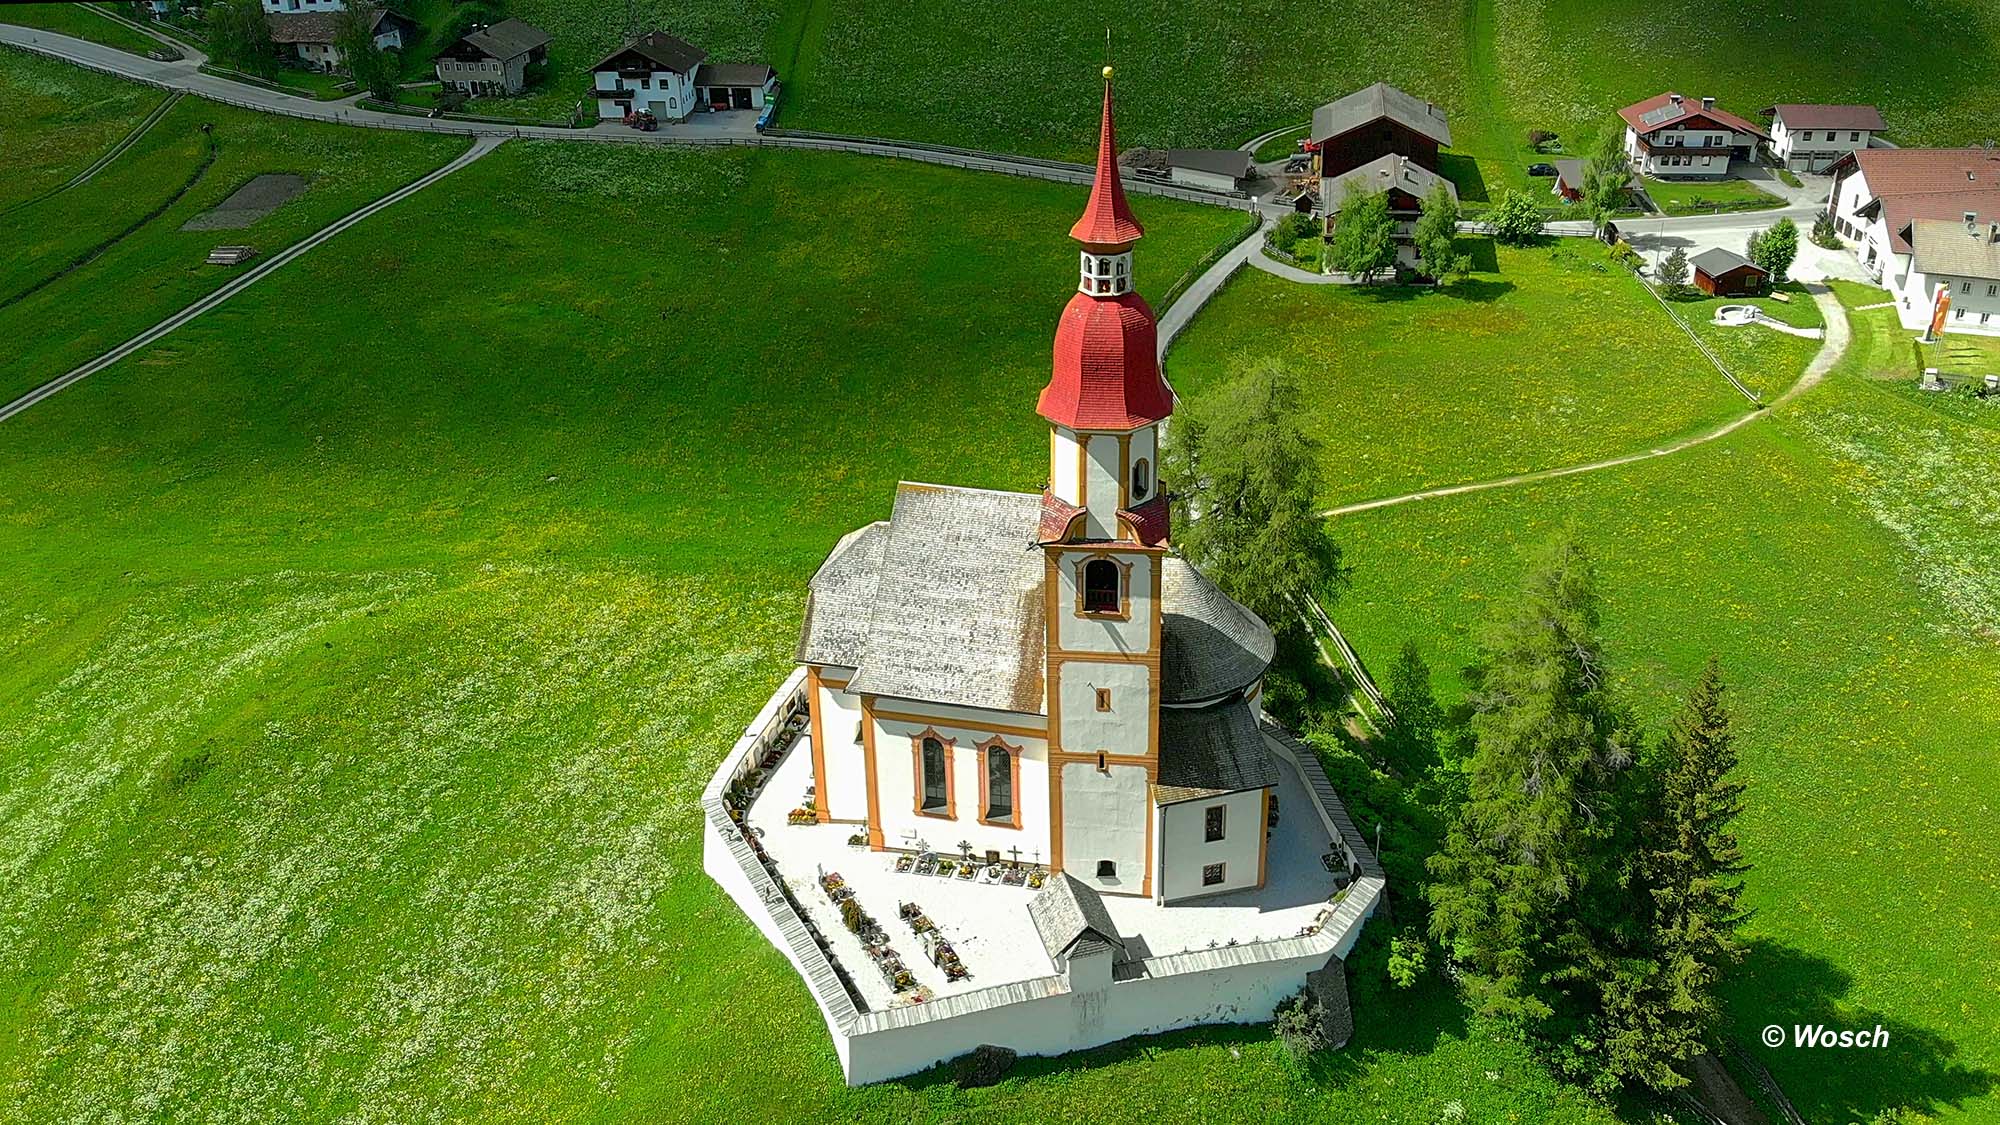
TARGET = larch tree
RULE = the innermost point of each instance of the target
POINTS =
(1246, 495)
(1690, 868)
(1518, 886)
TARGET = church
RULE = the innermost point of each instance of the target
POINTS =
(1039, 675)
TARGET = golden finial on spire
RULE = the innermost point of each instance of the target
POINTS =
(1107, 74)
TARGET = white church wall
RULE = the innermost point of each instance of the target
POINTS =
(1185, 848)
(897, 785)
(881, 1047)
(1131, 634)
(1065, 460)
(1105, 814)
(1126, 728)
(845, 788)
(1103, 473)
(1144, 448)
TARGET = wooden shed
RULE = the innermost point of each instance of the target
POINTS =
(1725, 273)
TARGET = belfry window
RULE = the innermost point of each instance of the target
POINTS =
(999, 784)
(1100, 586)
(936, 797)
(1142, 479)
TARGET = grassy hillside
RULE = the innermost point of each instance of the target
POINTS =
(55, 120)
(121, 232)
(363, 655)
(1836, 557)
(1544, 357)
(1933, 66)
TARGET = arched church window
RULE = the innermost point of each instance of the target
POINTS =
(999, 783)
(936, 795)
(1142, 479)
(1100, 586)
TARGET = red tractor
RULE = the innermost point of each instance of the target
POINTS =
(642, 120)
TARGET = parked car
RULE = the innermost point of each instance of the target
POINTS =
(1541, 169)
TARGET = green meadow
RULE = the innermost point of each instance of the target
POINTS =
(366, 657)
(1836, 555)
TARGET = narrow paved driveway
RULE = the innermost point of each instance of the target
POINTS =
(1837, 336)
(255, 274)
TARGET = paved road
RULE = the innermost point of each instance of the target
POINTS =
(255, 274)
(1837, 336)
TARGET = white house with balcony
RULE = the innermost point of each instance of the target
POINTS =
(1021, 790)
(1670, 135)
(1917, 217)
(654, 73)
(1810, 138)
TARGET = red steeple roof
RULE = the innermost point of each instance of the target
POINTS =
(1106, 374)
(1107, 219)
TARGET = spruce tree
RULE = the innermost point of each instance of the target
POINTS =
(1528, 851)
(1691, 869)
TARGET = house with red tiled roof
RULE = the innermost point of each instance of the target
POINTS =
(1809, 138)
(1917, 218)
(1671, 135)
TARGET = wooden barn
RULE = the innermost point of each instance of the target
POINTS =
(1379, 121)
(1725, 273)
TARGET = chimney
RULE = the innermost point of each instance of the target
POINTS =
(1993, 232)
(1674, 98)
(1708, 103)
(1972, 223)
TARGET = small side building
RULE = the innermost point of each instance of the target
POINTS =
(1725, 273)
(654, 73)
(1208, 169)
(1810, 138)
(493, 61)
(734, 85)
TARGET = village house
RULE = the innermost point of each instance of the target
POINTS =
(734, 85)
(1809, 138)
(1372, 123)
(1668, 135)
(312, 37)
(493, 61)
(1042, 806)
(653, 73)
(1885, 200)
(1407, 183)
(1725, 273)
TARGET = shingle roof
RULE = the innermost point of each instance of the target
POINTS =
(1067, 912)
(733, 74)
(1808, 116)
(1381, 174)
(670, 52)
(1209, 750)
(956, 616)
(507, 38)
(1660, 111)
(1718, 261)
(1210, 644)
(1233, 162)
(1945, 247)
(1379, 101)
(316, 27)
(840, 598)
(943, 603)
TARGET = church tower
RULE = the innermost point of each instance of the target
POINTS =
(1103, 535)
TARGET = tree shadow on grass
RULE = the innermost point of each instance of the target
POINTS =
(1484, 252)
(1918, 1068)
(1478, 290)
